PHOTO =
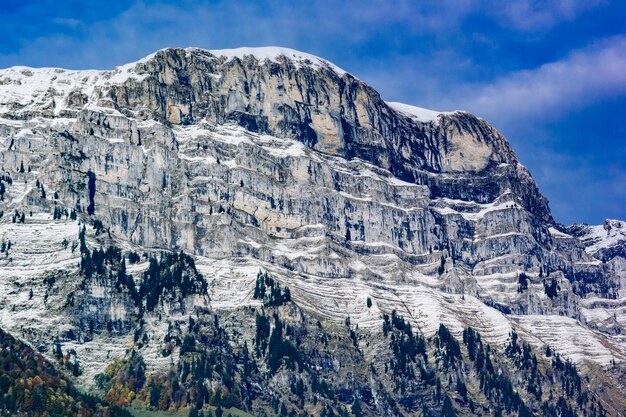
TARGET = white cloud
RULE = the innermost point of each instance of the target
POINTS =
(580, 79)
(69, 22)
(540, 14)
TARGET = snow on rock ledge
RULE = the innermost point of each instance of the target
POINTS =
(272, 53)
(417, 113)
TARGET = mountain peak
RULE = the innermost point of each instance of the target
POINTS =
(261, 54)
(273, 52)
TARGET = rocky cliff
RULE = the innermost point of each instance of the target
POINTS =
(204, 167)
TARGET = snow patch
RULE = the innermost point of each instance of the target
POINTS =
(272, 53)
(417, 113)
(607, 235)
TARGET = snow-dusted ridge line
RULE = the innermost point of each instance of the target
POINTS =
(419, 113)
(271, 53)
(20, 84)
(36, 88)
(261, 53)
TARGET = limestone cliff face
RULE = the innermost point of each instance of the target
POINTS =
(152, 135)
(275, 159)
(326, 109)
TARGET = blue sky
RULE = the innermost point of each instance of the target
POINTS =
(550, 75)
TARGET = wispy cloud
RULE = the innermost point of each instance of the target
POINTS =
(548, 91)
(531, 15)
(67, 21)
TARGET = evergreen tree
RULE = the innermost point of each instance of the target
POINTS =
(522, 282)
(447, 410)
(356, 408)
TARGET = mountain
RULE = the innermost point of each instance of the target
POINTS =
(256, 229)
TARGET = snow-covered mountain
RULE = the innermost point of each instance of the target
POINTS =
(139, 205)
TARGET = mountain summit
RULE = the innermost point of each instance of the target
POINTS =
(256, 228)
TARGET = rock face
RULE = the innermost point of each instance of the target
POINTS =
(277, 160)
